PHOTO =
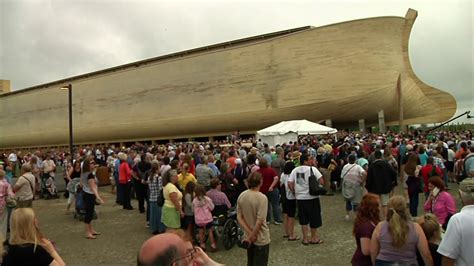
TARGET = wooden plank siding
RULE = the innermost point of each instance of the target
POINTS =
(343, 72)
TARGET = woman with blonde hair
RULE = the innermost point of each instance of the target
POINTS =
(172, 210)
(125, 181)
(396, 240)
(432, 230)
(27, 246)
(185, 177)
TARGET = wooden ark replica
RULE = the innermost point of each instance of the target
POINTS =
(344, 72)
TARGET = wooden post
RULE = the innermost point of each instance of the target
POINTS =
(400, 104)
(362, 125)
(382, 128)
(328, 122)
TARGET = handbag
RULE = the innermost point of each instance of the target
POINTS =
(348, 188)
(11, 202)
(315, 189)
(160, 200)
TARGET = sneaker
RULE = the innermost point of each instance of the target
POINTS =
(347, 218)
(268, 223)
(277, 223)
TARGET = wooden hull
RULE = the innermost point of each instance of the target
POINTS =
(343, 72)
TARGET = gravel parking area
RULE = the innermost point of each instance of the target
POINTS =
(123, 232)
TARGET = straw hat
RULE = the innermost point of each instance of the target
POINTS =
(295, 154)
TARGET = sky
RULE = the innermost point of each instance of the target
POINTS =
(43, 41)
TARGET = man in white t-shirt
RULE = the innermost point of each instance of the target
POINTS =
(13, 159)
(457, 245)
(309, 207)
(49, 167)
(450, 162)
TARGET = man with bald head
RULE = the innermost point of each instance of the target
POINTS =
(170, 249)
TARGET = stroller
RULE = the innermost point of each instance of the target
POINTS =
(48, 187)
(80, 207)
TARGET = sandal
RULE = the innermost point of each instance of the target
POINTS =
(213, 247)
(96, 234)
(293, 239)
(317, 242)
(286, 236)
(304, 243)
(91, 237)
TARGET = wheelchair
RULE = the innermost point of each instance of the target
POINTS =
(231, 232)
(225, 227)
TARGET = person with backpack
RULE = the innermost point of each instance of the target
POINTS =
(428, 171)
(381, 179)
(309, 206)
(203, 207)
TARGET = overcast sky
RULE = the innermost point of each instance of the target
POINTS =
(43, 41)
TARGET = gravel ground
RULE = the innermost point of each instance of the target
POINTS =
(123, 232)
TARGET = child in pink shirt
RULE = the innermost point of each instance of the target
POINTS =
(203, 207)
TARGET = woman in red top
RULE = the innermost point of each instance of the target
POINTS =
(189, 160)
(428, 171)
(125, 180)
(368, 216)
(270, 189)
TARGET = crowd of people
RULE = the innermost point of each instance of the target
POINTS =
(181, 187)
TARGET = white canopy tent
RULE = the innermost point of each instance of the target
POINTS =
(287, 131)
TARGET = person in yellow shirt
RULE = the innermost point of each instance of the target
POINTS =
(185, 177)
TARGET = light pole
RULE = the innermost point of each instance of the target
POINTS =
(69, 89)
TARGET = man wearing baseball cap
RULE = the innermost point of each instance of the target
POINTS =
(457, 245)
